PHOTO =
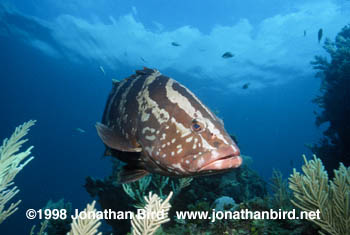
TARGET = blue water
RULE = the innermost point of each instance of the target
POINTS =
(50, 54)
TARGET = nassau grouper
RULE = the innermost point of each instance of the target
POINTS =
(164, 128)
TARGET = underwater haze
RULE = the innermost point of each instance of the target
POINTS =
(248, 61)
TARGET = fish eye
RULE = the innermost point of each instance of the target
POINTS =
(197, 126)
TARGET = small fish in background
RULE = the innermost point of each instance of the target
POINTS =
(156, 125)
(102, 70)
(175, 44)
(320, 34)
(143, 59)
(217, 112)
(304, 33)
(80, 130)
(246, 85)
(227, 55)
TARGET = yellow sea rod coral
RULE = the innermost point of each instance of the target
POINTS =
(11, 162)
(313, 191)
(140, 226)
(87, 226)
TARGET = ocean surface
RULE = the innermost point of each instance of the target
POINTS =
(58, 59)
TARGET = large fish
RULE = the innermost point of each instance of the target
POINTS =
(165, 128)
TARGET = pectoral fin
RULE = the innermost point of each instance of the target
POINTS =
(114, 140)
(127, 175)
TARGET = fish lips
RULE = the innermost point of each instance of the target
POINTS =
(221, 159)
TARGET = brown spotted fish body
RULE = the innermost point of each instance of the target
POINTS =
(165, 128)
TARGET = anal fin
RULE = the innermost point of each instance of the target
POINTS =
(114, 140)
(127, 175)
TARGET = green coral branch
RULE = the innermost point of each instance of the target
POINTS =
(183, 183)
(281, 194)
(137, 190)
(159, 183)
(43, 226)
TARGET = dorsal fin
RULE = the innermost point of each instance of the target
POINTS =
(145, 71)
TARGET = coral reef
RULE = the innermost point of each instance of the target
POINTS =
(236, 226)
(147, 225)
(195, 194)
(155, 214)
(313, 191)
(224, 203)
(11, 162)
(279, 200)
(111, 196)
(125, 197)
(59, 226)
(334, 101)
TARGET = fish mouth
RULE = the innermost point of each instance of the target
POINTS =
(223, 159)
